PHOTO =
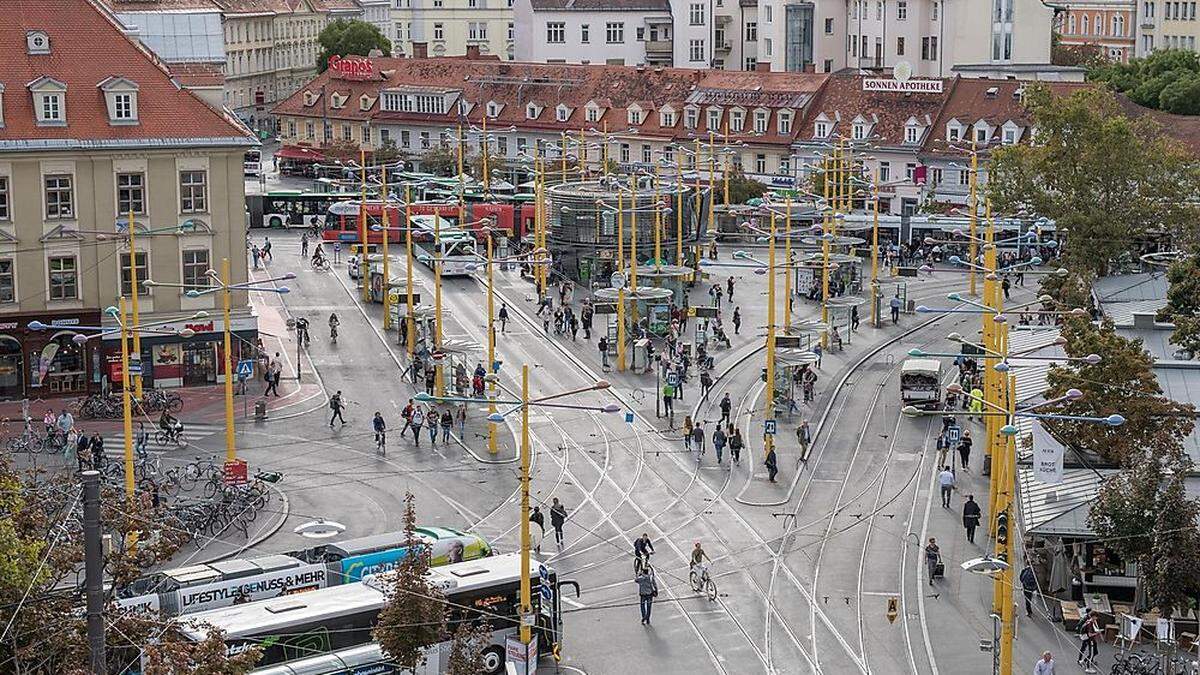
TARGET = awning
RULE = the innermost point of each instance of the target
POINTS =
(1058, 509)
(301, 153)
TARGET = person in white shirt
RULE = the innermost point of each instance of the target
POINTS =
(1044, 665)
(946, 481)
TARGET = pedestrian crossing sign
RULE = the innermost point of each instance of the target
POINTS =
(954, 433)
(769, 427)
(629, 418)
(245, 369)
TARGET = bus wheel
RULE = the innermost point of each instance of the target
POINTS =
(493, 660)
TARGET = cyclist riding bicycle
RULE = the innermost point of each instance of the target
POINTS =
(318, 259)
(698, 558)
(642, 550)
(170, 425)
(302, 331)
(333, 326)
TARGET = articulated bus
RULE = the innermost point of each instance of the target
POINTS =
(341, 223)
(439, 238)
(293, 208)
(302, 628)
(197, 588)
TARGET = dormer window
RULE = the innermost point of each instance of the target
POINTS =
(562, 113)
(309, 98)
(336, 100)
(49, 101)
(858, 131)
(760, 121)
(737, 121)
(120, 95)
(953, 132)
(493, 109)
(785, 122)
(592, 112)
(666, 118)
(464, 107)
(714, 119)
(364, 103)
(1010, 134)
(982, 133)
(37, 42)
(532, 111)
(634, 116)
(821, 130)
(691, 118)
(912, 133)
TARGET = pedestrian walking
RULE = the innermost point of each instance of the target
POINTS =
(894, 303)
(1029, 586)
(719, 440)
(943, 448)
(946, 482)
(819, 352)
(772, 464)
(706, 383)
(668, 398)
(964, 448)
(1044, 665)
(647, 589)
(1005, 285)
(380, 431)
(447, 424)
(854, 318)
(336, 404)
(803, 436)
(82, 445)
(687, 432)
(536, 517)
(558, 517)
(97, 448)
(416, 422)
(735, 444)
(1089, 630)
(737, 319)
(976, 408)
(431, 420)
(971, 516)
(406, 413)
(585, 321)
(726, 407)
(603, 345)
(933, 558)
(141, 442)
(266, 250)
(503, 316)
(729, 288)
(274, 374)
(698, 439)
(430, 379)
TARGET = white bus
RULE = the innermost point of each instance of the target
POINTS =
(434, 237)
(252, 163)
(304, 626)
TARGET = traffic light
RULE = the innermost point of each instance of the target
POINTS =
(1002, 529)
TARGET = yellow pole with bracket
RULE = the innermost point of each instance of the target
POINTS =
(491, 345)
(411, 319)
(387, 269)
(363, 265)
(126, 404)
(137, 317)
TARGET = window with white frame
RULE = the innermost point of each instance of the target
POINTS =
(347, 132)
(561, 113)
(785, 122)
(624, 153)
(8, 281)
(195, 269)
(981, 134)
(60, 201)
(634, 116)
(785, 164)
(935, 176)
(493, 109)
(131, 193)
(310, 130)
(666, 118)
(691, 118)
(64, 277)
(439, 31)
(193, 191)
(760, 121)
(556, 32)
(885, 172)
(405, 138)
(1010, 136)
(912, 133)
(714, 119)
(50, 108)
(695, 50)
(760, 164)
(668, 153)
(123, 109)
(531, 111)
(858, 131)
(647, 154)
(964, 177)
(953, 133)
(477, 30)
(592, 113)
(751, 31)
(910, 171)
(425, 144)
(585, 33)
(696, 14)
(737, 121)
(614, 33)
(143, 273)
(901, 10)
(821, 129)
(5, 207)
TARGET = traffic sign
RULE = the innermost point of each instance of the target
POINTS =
(629, 418)
(438, 356)
(953, 433)
(769, 427)
(135, 367)
(673, 378)
(245, 369)
(546, 591)
(893, 609)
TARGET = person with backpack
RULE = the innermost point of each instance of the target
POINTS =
(558, 518)
(718, 439)
(735, 444)
(447, 424)
(416, 421)
(726, 408)
(336, 404)
(380, 431)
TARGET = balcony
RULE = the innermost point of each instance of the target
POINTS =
(1146, 24)
(723, 46)
(658, 46)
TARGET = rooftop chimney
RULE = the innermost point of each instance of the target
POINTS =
(420, 50)
(472, 51)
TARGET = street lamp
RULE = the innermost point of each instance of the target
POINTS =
(125, 328)
(225, 288)
(494, 417)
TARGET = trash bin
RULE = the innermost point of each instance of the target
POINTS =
(260, 409)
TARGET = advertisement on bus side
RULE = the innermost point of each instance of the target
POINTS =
(275, 584)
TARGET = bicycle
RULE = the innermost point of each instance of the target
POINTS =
(165, 436)
(642, 563)
(702, 582)
(321, 265)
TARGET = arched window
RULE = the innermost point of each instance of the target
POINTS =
(1084, 25)
(1098, 24)
(1071, 24)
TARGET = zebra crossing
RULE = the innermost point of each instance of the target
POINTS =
(193, 433)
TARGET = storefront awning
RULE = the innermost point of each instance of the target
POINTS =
(1058, 509)
(300, 153)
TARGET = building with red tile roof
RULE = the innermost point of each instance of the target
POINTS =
(93, 127)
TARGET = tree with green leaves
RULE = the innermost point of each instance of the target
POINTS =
(1107, 181)
(1067, 291)
(1123, 383)
(414, 617)
(347, 37)
(468, 641)
(1183, 302)
(439, 160)
(1166, 79)
(742, 188)
(40, 549)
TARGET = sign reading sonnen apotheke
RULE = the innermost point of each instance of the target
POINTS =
(903, 86)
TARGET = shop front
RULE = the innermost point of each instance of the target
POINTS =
(170, 362)
(47, 363)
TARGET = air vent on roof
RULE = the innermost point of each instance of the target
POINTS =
(1018, 93)
(992, 91)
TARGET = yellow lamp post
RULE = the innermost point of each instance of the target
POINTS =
(875, 294)
(410, 319)
(385, 202)
(769, 397)
(221, 284)
(787, 257)
(363, 264)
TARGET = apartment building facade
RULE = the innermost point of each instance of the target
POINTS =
(89, 131)
(449, 27)
(1109, 25)
(1166, 24)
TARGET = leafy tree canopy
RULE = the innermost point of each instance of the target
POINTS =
(1106, 180)
(1121, 383)
(1167, 79)
(414, 617)
(345, 37)
(1183, 302)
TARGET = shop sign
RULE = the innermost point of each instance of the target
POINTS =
(209, 326)
(9, 325)
(902, 86)
(64, 322)
(352, 68)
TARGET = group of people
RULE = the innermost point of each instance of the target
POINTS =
(259, 255)
(416, 418)
(725, 434)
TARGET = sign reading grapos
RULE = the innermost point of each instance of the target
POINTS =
(903, 86)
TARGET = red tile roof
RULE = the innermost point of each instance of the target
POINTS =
(615, 88)
(198, 74)
(1183, 128)
(160, 5)
(87, 46)
(886, 114)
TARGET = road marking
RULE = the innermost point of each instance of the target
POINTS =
(574, 603)
(882, 593)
